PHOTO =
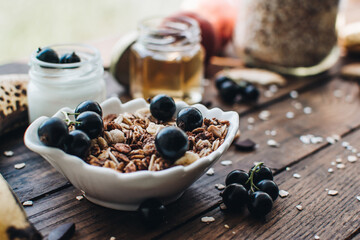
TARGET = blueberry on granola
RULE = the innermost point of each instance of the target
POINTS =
(89, 122)
(52, 132)
(47, 55)
(189, 118)
(162, 107)
(89, 105)
(152, 211)
(77, 143)
(171, 143)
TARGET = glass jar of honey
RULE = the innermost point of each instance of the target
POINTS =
(167, 58)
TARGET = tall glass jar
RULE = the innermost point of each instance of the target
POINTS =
(289, 36)
(54, 85)
(167, 58)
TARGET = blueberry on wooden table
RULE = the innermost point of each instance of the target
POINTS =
(260, 172)
(47, 55)
(259, 204)
(89, 122)
(228, 91)
(152, 212)
(270, 187)
(189, 118)
(235, 196)
(162, 107)
(250, 94)
(219, 80)
(89, 105)
(52, 132)
(237, 176)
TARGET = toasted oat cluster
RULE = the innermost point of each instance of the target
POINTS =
(128, 142)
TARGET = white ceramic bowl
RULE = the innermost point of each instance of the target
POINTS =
(125, 191)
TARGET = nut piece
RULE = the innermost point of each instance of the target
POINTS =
(122, 148)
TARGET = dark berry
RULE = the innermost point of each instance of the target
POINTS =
(260, 204)
(269, 187)
(171, 143)
(235, 196)
(77, 143)
(70, 58)
(89, 106)
(237, 176)
(242, 86)
(220, 80)
(260, 173)
(152, 211)
(189, 118)
(228, 91)
(47, 55)
(250, 94)
(52, 132)
(162, 107)
(89, 122)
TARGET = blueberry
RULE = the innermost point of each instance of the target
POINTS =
(189, 118)
(250, 94)
(260, 204)
(152, 212)
(261, 172)
(220, 80)
(237, 176)
(228, 91)
(269, 187)
(89, 105)
(162, 107)
(89, 122)
(235, 196)
(77, 143)
(52, 132)
(171, 143)
(70, 58)
(47, 55)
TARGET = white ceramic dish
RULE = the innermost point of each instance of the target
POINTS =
(125, 191)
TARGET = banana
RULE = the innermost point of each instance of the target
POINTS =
(14, 224)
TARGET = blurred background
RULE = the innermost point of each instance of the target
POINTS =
(26, 25)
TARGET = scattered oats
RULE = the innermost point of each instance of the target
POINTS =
(287, 168)
(233, 232)
(307, 110)
(226, 162)
(294, 94)
(223, 206)
(299, 207)
(330, 170)
(273, 143)
(19, 166)
(316, 237)
(226, 226)
(315, 140)
(28, 203)
(210, 172)
(330, 140)
(264, 115)
(358, 198)
(333, 192)
(345, 144)
(354, 150)
(333, 163)
(349, 147)
(336, 137)
(273, 88)
(297, 105)
(79, 198)
(273, 133)
(290, 115)
(250, 127)
(268, 94)
(306, 138)
(219, 186)
(352, 158)
(338, 93)
(207, 219)
(338, 160)
(283, 193)
(296, 175)
(112, 238)
(8, 153)
(340, 166)
(251, 120)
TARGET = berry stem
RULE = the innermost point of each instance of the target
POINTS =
(251, 177)
(67, 119)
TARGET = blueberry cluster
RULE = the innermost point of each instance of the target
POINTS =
(50, 56)
(254, 189)
(88, 124)
(230, 91)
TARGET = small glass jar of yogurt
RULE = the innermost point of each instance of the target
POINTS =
(56, 85)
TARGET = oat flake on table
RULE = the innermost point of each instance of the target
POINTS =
(296, 175)
(264, 115)
(330, 170)
(219, 186)
(358, 198)
(316, 237)
(352, 158)
(226, 162)
(307, 110)
(340, 166)
(8, 153)
(27, 203)
(79, 198)
(290, 115)
(19, 166)
(210, 172)
(207, 219)
(226, 226)
(333, 192)
(299, 207)
(294, 94)
(273, 143)
(283, 193)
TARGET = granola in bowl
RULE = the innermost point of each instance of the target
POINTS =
(128, 142)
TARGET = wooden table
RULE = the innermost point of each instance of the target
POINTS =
(335, 105)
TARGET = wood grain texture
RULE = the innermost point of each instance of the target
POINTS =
(329, 217)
